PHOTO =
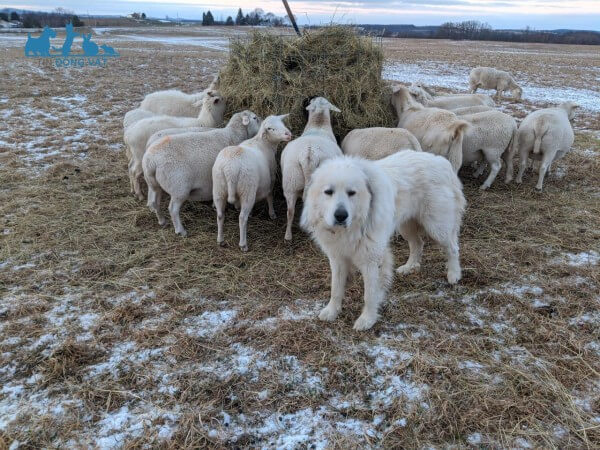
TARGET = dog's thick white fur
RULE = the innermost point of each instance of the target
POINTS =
(353, 206)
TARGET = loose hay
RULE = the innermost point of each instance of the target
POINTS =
(271, 74)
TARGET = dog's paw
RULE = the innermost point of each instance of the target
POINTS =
(408, 268)
(328, 314)
(364, 322)
(453, 276)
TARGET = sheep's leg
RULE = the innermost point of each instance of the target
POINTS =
(522, 167)
(244, 213)
(290, 199)
(544, 166)
(130, 173)
(272, 214)
(220, 205)
(493, 158)
(154, 200)
(374, 296)
(174, 207)
(137, 174)
(411, 232)
(339, 275)
(480, 169)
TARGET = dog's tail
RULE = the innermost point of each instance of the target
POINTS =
(457, 131)
(539, 130)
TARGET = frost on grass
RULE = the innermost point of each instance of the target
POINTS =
(581, 259)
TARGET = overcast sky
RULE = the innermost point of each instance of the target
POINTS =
(539, 14)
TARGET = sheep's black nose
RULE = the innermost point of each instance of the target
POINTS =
(340, 215)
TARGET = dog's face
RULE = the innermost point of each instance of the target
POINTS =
(338, 196)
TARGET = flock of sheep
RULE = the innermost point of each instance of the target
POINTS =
(173, 140)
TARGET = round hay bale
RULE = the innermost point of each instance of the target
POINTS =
(272, 74)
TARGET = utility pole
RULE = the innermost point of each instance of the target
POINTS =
(291, 16)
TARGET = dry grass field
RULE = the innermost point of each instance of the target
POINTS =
(116, 333)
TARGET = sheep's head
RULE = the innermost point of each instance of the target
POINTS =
(517, 92)
(214, 103)
(274, 130)
(248, 120)
(402, 98)
(421, 92)
(569, 107)
(321, 104)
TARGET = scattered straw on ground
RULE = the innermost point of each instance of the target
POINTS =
(115, 332)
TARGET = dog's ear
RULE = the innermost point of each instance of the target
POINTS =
(379, 201)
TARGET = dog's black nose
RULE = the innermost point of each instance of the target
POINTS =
(340, 215)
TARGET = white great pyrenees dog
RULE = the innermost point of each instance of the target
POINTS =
(353, 207)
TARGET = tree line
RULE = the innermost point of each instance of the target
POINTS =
(475, 30)
(480, 31)
(256, 17)
(56, 19)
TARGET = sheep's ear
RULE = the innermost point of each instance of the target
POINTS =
(245, 120)
(334, 108)
(198, 103)
(396, 88)
(283, 116)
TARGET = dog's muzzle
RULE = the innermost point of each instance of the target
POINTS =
(340, 216)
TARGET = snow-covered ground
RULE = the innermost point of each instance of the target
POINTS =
(456, 77)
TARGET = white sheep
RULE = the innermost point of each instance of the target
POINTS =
(438, 131)
(378, 142)
(181, 165)
(173, 131)
(303, 155)
(244, 174)
(136, 136)
(546, 135)
(427, 97)
(176, 103)
(136, 115)
(471, 110)
(490, 135)
(490, 78)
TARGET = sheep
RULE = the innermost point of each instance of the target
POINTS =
(427, 97)
(172, 131)
(302, 156)
(460, 101)
(134, 116)
(471, 110)
(181, 165)
(245, 174)
(549, 135)
(438, 131)
(176, 103)
(490, 78)
(136, 136)
(378, 142)
(490, 135)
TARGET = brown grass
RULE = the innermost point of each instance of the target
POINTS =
(491, 360)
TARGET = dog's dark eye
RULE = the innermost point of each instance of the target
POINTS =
(351, 193)
(329, 192)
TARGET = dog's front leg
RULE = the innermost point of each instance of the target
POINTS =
(374, 295)
(339, 274)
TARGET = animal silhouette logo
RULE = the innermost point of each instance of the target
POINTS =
(65, 50)
(39, 46)
(92, 54)
(108, 50)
